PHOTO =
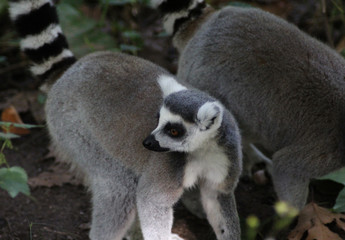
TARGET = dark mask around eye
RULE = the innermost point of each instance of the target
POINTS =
(174, 130)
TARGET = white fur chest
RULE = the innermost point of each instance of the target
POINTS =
(210, 164)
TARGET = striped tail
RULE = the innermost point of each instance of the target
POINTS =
(178, 12)
(42, 39)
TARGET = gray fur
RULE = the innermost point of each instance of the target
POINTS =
(285, 88)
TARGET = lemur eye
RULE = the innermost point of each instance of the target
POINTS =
(173, 132)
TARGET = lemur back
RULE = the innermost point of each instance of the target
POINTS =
(100, 109)
(285, 88)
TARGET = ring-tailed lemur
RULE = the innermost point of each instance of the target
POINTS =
(286, 89)
(102, 106)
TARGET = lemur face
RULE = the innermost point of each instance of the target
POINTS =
(187, 120)
(171, 134)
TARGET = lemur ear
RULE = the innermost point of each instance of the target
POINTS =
(209, 115)
(169, 85)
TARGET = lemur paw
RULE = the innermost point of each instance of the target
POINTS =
(175, 237)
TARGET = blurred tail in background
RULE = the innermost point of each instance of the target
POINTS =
(42, 39)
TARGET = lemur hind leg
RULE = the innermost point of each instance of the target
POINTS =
(290, 188)
(294, 167)
(114, 208)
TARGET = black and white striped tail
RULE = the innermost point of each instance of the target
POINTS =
(178, 12)
(42, 39)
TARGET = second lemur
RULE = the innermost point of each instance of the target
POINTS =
(286, 89)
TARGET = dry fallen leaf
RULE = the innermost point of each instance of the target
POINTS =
(25, 101)
(57, 175)
(341, 45)
(10, 114)
(313, 221)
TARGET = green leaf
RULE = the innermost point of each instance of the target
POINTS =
(19, 125)
(339, 205)
(3, 7)
(84, 34)
(2, 158)
(3, 59)
(131, 34)
(336, 176)
(129, 48)
(41, 98)
(5, 124)
(163, 34)
(4, 136)
(74, 3)
(14, 181)
(117, 2)
(8, 144)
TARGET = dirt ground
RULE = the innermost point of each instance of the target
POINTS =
(60, 209)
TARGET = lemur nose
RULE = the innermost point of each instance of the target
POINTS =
(148, 142)
(152, 144)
